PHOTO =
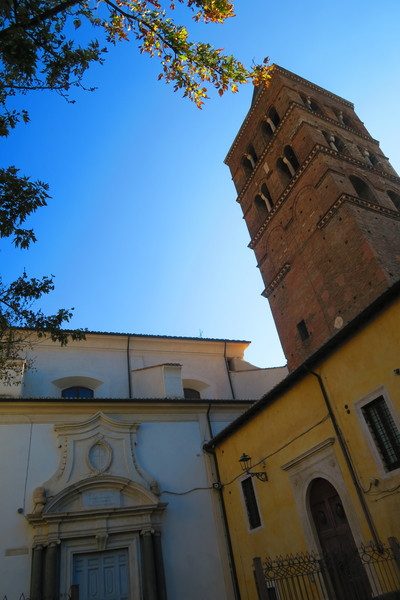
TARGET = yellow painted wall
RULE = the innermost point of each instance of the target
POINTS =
(293, 424)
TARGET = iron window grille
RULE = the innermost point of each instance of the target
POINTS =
(384, 432)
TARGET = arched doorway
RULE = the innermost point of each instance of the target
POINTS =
(329, 517)
(341, 557)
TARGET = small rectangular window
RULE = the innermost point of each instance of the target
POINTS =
(303, 331)
(384, 432)
(251, 503)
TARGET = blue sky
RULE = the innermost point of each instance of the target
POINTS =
(143, 231)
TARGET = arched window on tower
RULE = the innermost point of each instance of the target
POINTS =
(270, 123)
(249, 160)
(267, 196)
(287, 165)
(273, 118)
(263, 202)
(362, 188)
(290, 159)
(395, 198)
(335, 142)
(284, 171)
(267, 130)
(369, 157)
(310, 103)
(261, 206)
(345, 119)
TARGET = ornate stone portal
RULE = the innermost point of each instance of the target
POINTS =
(99, 499)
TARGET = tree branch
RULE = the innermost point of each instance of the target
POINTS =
(35, 21)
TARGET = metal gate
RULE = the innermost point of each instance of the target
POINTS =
(359, 573)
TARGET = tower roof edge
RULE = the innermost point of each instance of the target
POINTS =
(256, 98)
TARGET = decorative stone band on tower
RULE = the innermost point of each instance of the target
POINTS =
(321, 203)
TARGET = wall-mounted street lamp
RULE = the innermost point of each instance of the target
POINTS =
(245, 463)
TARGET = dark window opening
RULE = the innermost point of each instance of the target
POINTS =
(340, 145)
(252, 152)
(310, 103)
(384, 432)
(267, 130)
(247, 165)
(291, 157)
(345, 120)
(274, 117)
(266, 196)
(261, 206)
(251, 503)
(303, 331)
(191, 394)
(270, 123)
(369, 157)
(249, 160)
(374, 160)
(395, 198)
(284, 171)
(363, 190)
(77, 392)
(335, 142)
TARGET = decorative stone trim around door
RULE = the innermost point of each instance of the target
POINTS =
(319, 461)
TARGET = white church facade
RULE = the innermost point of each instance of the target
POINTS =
(106, 491)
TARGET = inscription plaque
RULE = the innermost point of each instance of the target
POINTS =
(17, 551)
(100, 500)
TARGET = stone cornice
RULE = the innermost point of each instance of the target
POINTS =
(314, 86)
(306, 455)
(276, 281)
(387, 212)
(261, 94)
(314, 152)
(283, 120)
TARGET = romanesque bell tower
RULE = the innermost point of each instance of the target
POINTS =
(321, 202)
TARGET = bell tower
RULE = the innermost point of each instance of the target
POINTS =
(321, 203)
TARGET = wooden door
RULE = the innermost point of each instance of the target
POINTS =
(102, 575)
(341, 556)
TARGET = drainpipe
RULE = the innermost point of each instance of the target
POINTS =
(346, 454)
(228, 372)
(129, 369)
(231, 559)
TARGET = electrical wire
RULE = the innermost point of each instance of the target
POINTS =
(187, 492)
(281, 448)
(382, 497)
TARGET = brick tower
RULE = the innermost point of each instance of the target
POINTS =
(321, 203)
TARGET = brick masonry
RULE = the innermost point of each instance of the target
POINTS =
(324, 251)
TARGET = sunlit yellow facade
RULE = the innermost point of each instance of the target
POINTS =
(291, 435)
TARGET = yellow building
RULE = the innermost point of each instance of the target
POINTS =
(334, 419)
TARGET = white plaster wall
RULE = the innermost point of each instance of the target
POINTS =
(104, 358)
(172, 452)
(148, 383)
(106, 365)
(209, 369)
(252, 385)
(15, 532)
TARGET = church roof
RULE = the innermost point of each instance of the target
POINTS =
(166, 337)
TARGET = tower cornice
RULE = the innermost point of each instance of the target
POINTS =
(293, 76)
(314, 152)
